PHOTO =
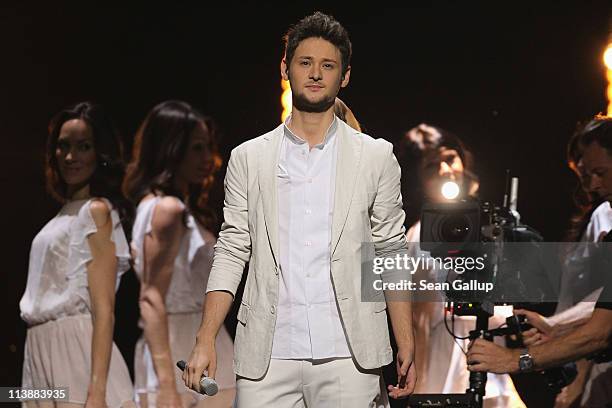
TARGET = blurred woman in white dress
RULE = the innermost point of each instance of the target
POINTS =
(76, 262)
(173, 165)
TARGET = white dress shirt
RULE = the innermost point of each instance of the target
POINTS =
(308, 324)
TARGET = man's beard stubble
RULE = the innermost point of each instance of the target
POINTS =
(302, 104)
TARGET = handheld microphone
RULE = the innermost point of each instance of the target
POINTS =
(208, 386)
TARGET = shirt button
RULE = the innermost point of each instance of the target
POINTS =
(272, 309)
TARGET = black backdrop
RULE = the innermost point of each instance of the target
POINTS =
(511, 79)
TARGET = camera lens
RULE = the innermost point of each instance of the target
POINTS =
(455, 228)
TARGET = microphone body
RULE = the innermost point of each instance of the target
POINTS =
(208, 386)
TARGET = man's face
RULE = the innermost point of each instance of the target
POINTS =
(315, 74)
(597, 163)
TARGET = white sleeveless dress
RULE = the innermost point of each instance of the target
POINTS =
(184, 301)
(57, 308)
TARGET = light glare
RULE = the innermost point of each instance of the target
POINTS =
(607, 56)
(285, 99)
(450, 190)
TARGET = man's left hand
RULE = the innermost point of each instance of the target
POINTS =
(487, 356)
(406, 376)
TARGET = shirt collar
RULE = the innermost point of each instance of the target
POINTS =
(331, 131)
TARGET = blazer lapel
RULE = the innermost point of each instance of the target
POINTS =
(347, 169)
(267, 186)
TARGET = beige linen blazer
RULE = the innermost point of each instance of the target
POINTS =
(367, 208)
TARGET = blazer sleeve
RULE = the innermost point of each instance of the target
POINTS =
(387, 216)
(233, 248)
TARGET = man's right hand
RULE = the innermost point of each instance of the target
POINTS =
(203, 360)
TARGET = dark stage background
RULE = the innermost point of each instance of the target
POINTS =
(511, 79)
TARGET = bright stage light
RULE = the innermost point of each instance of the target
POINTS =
(607, 57)
(285, 99)
(450, 190)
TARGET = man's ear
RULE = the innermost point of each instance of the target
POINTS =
(284, 69)
(346, 77)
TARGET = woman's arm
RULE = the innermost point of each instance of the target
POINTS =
(153, 312)
(101, 276)
(161, 247)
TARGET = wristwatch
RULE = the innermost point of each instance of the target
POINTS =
(525, 361)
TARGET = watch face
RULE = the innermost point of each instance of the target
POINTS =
(525, 362)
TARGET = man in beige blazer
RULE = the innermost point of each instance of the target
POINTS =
(299, 203)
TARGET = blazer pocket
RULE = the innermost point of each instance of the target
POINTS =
(243, 313)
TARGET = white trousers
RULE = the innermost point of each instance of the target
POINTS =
(313, 384)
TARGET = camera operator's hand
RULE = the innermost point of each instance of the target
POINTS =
(571, 394)
(487, 356)
(568, 396)
(541, 331)
(533, 337)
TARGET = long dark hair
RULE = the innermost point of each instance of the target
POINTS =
(410, 155)
(106, 179)
(159, 148)
(597, 129)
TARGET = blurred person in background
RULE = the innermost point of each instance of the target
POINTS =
(345, 114)
(76, 262)
(429, 157)
(554, 347)
(577, 298)
(174, 161)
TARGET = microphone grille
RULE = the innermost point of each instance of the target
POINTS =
(208, 386)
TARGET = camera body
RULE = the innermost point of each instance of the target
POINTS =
(470, 228)
(458, 225)
(466, 229)
(511, 251)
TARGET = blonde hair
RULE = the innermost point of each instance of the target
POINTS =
(346, 114)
